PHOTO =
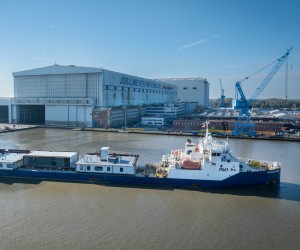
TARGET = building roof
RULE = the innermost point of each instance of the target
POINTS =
(57, 70)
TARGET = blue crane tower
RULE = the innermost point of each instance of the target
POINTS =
(244, 125)
(222, 103)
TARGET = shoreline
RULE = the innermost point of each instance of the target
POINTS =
(5, 128)
(176, 133)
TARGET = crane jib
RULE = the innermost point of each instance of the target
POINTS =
(244, 124)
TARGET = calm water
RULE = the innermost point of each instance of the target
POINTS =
(49, 215)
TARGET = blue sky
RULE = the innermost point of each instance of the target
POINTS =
(227, 39)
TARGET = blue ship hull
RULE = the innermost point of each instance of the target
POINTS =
(245, 179)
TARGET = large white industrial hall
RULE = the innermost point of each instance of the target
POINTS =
(67, 95)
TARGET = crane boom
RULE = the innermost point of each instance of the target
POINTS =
(286, 81)
(244, 124)
(240, 91)
(269, 77)
(222, 104)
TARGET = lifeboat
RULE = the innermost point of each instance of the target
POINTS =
(190, 163)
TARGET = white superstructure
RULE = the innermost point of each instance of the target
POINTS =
(106, 163)
(209, 160)
(10, 159)
(50, 159)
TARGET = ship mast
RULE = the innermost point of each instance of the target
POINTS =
(206, 130)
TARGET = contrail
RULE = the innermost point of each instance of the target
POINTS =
(193, 44)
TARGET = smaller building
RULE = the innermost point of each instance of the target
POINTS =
(189, 124)
(115, 117)
(225, 125)
(153, 121)
(168, 110)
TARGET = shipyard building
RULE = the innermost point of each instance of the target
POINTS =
(83, 96)
(192, 91)
(4, 110)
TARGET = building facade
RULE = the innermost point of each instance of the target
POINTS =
(115, 117)
(67, 95)
(166, 110)
(225, 125)
(5, 110)
(153, 121)
(194, 91)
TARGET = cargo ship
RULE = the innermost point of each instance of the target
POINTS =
(206, 164)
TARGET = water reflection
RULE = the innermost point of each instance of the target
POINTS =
(285, 191)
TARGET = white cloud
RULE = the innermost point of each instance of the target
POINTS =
(193, 44)
(52, 26)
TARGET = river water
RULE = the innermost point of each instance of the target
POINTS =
(52, 215)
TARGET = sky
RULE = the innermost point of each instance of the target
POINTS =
(215, 39)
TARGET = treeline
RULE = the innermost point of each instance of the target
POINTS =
(227, 102)
(271, 103)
